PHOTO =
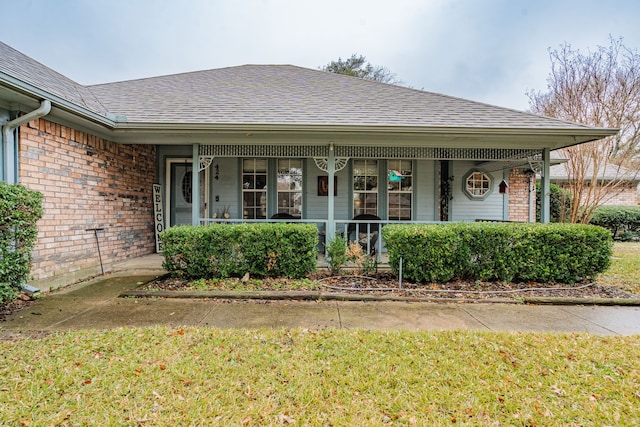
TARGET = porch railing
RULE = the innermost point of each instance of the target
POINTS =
(367, 232)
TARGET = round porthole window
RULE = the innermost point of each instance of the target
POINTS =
(477, 185)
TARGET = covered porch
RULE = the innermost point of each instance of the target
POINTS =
(351, 190)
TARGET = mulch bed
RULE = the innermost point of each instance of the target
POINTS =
(387, 284)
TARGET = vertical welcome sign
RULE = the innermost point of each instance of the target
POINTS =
(158, 215)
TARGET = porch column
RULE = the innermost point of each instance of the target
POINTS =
(195, 186)
(331, 171)
(545, 205)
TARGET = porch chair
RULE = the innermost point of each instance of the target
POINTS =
(283, 215)
(361, 233)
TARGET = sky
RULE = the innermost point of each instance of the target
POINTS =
(492, 51)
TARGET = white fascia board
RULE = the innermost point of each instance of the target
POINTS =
(182, 133)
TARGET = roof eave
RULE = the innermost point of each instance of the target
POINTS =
(552, 138)
(59, 103)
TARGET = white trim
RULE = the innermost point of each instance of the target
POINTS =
(167, 186)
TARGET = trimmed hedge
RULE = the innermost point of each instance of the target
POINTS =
(619, 220)
(227, 250)
(20, 210)
(563, 253)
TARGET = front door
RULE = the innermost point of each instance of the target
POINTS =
(180, 191)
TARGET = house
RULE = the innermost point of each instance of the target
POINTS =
(622, 184)
(265, 139)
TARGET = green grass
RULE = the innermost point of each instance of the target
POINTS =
(625, 268)
(235, 284)
(198, 376)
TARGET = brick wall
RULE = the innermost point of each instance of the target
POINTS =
(518, 196)
(624, 195)
(620, 195)
(87, 182)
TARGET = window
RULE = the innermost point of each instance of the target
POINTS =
(187, 187)
(400, 187)
(365, 187)
(254, 188)
(477, 185)
(290, 187)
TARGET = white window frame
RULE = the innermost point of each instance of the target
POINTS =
(285, 173)
(473, 193)
(403, 188)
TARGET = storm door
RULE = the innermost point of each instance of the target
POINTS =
(180, 179)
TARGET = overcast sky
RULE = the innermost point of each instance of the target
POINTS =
(492, 51)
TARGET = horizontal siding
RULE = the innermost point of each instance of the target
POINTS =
(226, 187)
(465, 209)
(316, 206)
(424, 191)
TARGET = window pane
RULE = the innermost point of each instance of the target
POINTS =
(400, 189)
(478, 184)
(365, 187)
(254, 184)
(289, 186)
(248, 182)
(261, 165)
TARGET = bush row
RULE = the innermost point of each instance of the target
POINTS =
(563, 253)
(622, 221)
(227, 250)
(20, 210)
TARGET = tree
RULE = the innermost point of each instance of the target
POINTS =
(357, 66)
(602, 89)
(559, 203)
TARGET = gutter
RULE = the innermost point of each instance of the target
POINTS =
(9, 149)
(32, 91)
(350, 128)
(8, 154)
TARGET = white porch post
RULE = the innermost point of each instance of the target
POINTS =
(545, 205)
(195, 186)
(331, 171)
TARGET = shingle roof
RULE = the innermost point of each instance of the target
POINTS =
(31, 72)
(610, 172)
(270, 95)
(286, 94)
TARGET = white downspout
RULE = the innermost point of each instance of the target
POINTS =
(10, 145)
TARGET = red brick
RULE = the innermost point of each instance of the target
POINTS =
(74, 202)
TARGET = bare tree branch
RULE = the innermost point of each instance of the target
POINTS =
(602, 89)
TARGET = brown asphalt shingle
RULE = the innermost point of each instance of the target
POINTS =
(270, 95)
(286, 94)
(30, 71)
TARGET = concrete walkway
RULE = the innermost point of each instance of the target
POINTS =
(95, 305)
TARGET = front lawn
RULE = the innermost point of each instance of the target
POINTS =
(624, 272)
(198, 376)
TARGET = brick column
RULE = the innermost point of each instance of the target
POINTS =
(518, 196)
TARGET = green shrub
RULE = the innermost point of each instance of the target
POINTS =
(337, 254)
(225, 250)
(20, 210)
(564, 253)
(559, 203)
(619, 220)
